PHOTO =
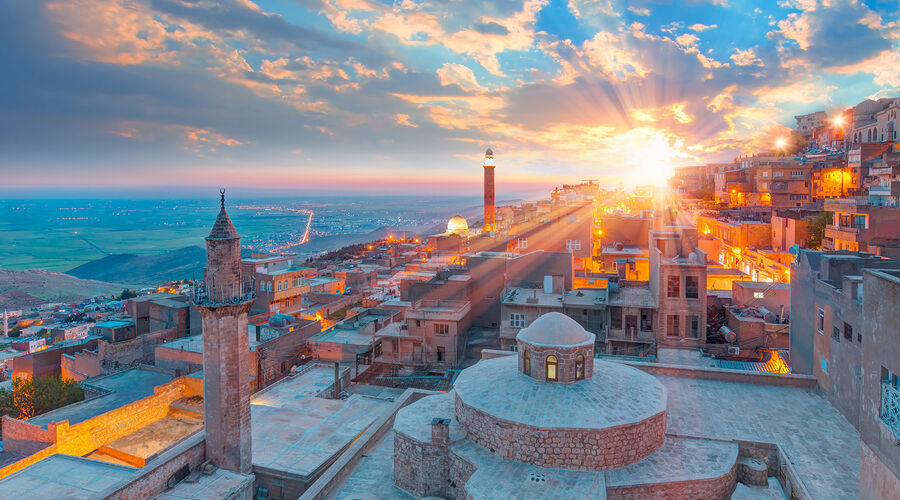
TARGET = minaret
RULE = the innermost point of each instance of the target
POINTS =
(224, 301)
(489, 221)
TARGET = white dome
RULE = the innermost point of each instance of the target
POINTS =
(555, 328)
(457, 225)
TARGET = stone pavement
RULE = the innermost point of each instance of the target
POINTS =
(824, 447)
(613, 396)
(65, 477)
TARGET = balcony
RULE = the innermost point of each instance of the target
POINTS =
(210, 294)
(890, 407)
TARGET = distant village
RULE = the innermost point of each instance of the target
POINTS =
(762, 290)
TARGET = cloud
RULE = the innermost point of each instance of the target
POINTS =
(491, 28)
(639, 11)
(402, 120)
(457, 74)
(701, 27)
(746, 58)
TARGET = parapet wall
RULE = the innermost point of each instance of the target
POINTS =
(726, 375)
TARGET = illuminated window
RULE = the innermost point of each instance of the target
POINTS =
(759, 295)
(579, 367)
(516, 320)
(551, 367)
(523, 243)
(441, 329)
(526, 363)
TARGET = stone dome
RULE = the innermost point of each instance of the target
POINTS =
(457, 225)
(555, 329)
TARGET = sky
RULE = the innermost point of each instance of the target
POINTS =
(379, 96)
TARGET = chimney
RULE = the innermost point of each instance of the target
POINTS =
(337, 380)
(440, 431)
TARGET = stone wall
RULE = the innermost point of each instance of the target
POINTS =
(726, 375)
(565, 361)
(421, 469)
(80, 365)
(114, 356)
(154, 477)
(460, 472)
(714, 488)
(581, 449)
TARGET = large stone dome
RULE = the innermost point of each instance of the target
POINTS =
(555, 329)
(457, 225)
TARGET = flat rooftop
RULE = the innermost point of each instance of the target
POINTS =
(124, 387)
(298, 433)
(65, 477)
(220, 484)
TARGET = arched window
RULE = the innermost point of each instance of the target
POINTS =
(579, 367)
(526, 363)
(551, 367)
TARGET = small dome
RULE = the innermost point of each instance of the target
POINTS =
(457, 225)
(489, 153)
(555, 329)
(223, 229)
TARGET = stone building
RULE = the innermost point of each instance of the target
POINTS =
(555, 423)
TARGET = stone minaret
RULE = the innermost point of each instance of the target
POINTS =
(489, 220)
(224, 301)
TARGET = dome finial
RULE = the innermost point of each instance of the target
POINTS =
(222, 192)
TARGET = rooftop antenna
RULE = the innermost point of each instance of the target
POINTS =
(222, 192)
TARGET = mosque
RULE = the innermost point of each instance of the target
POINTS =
(551, 421)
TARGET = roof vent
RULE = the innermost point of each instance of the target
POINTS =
(537, 478)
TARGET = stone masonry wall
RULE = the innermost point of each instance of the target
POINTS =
(421, 469)
(581, 449)
(709, 489)
(565, 361)
(460, 472)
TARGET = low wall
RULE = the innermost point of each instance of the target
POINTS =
(134, 351)
(726, 375)
(151, 480)
(495, 353)
(346, 463)
(84, 437)
(713, 488)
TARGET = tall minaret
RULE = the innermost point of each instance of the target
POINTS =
(489, 220)
(223, 302)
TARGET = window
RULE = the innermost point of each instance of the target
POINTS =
(672, 329)
(821, 325)
(796, 173)
(848, 331)
(836, 333)
(440, 354)
(646, 320)
(523, 243)
(441, 329)
(516, 320)
(526, 363)
(759, 295)
(695, 327)
(551, 367)
(572, 245)
(765, 174)
(823, 363)
(778, 173)
(279, 286)
(418, 323)
(571, 218)
(673, 286)
(765, 186)
(579, 367)
(615, 318)
(692, 287)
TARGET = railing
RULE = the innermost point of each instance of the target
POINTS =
(890, 407)
(229, 293)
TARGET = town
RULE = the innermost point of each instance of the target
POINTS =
(730, 335)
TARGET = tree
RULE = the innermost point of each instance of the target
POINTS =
(34, 396)
(126, 294)
(816, 228)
